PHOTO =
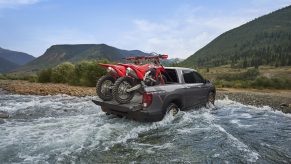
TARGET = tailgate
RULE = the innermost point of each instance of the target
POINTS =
(134, 105)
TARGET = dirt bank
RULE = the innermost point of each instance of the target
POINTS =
(277, 99)
(27, 88)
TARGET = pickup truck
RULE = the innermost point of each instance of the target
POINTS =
(184, 89)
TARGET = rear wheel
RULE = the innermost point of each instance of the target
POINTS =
(120, 88)
(103, 87)
(172, 109)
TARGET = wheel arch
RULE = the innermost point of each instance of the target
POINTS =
(176, 99)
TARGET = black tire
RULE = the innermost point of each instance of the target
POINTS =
(119, 94)
(104, 92)
(172, 109)
(211, 98)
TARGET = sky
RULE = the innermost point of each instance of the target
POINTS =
(175, 27)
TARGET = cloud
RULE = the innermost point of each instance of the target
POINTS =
(179, 36)
(188, 29)
(13, 3)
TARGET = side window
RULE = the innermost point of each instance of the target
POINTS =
(192, 77)
(198, 77)
(188, 76)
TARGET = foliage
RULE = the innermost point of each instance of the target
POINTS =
(44, 76)
(32, 78)
(84, 73)
(260, 83)
(250, 74)
(278, 83)
(62, 73)
(2, 77)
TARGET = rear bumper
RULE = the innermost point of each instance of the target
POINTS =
(130, 112)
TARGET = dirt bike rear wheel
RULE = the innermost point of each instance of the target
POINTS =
(119, 90)
(103, 87)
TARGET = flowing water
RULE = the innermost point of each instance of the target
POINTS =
(65, 129)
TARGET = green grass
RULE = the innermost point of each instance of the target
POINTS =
(263, 77)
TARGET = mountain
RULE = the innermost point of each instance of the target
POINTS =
(10, 60)
(171, 61)
(6, 65)
(18, 58)
(57, 54)
(263, 41)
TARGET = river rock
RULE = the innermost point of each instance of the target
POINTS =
(2, 121)
(4, 114)
(283, 105)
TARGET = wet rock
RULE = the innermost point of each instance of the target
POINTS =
(283, 105)
(2, 121)
(4, 114)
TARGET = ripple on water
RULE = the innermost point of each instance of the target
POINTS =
(70, 129)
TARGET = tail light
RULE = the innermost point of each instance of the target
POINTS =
(147, 99)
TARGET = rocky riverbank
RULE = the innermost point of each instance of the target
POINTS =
(28, 88)
(277, 99)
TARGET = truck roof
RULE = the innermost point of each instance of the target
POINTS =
(180, 68)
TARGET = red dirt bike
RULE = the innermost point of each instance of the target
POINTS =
(105, 83)
(138, 77)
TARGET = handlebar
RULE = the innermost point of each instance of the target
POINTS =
(157, 57)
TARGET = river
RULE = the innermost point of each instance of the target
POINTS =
(65, 129)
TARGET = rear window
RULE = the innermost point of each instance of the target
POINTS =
(171, 76)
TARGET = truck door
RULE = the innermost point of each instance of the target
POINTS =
(204, 89)
(194, 87)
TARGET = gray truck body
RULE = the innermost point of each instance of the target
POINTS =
(181, 89)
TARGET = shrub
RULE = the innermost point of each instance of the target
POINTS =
(32, 78)
(63, 73)
(44, 76)
(250, 74)
(86, 73)
(2, 77)
(278, 83)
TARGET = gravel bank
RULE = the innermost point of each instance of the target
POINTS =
(277, 99)
(28, 88)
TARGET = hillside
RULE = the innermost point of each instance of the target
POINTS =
(6, 65)
(18, 58)
(263, 41)
(10, 60)
(74, 53)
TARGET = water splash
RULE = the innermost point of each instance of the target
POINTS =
(61, 128)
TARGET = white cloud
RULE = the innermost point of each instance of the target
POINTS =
(180, 36)
(13, 3)
(188, 30)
